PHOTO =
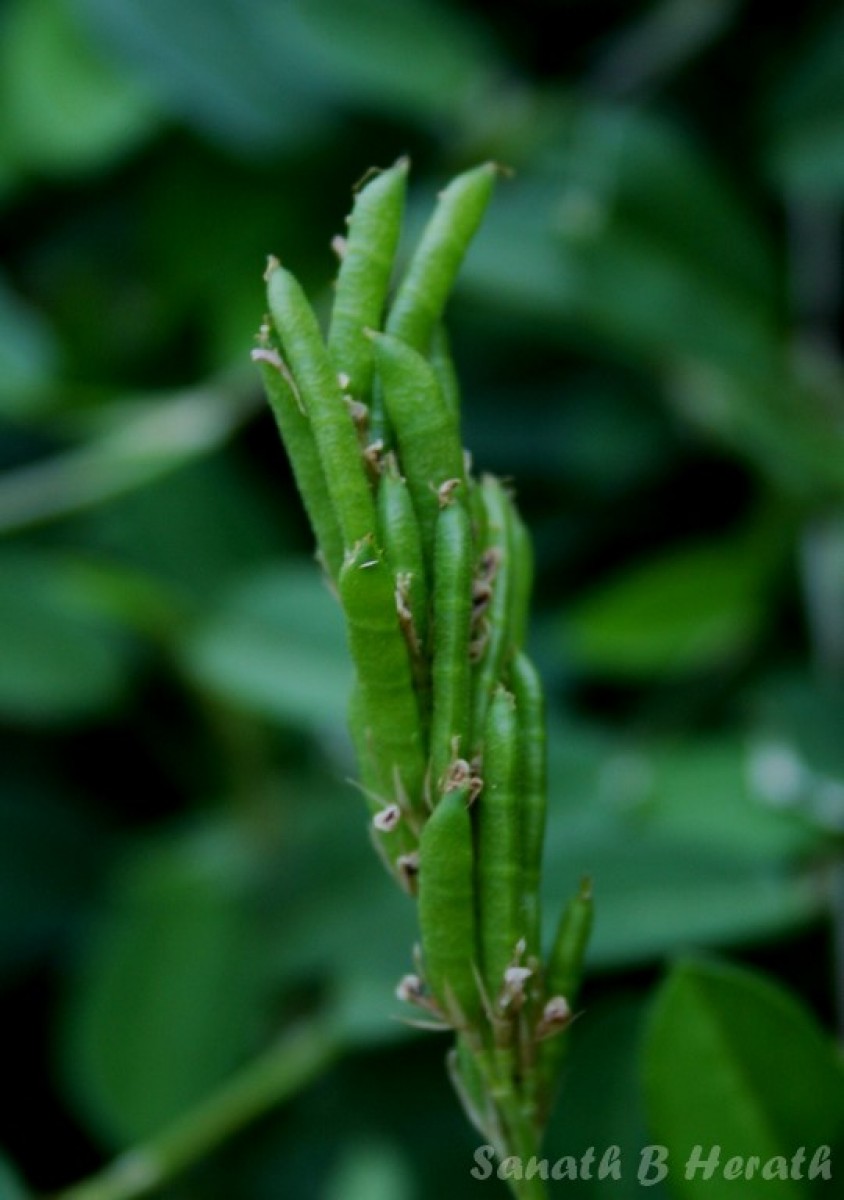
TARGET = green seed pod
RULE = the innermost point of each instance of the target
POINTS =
(470, 1084)
(364, 276)
(453, 572)
(298, 439)
(432, 270)
(443, 367)
(533, 783)
(562, 980)
(499, 874)
(402, 542)
(493, 635)
(331, 422)
(367, 594)
(396, 845)
(362, 743)
(477, 511)
(447, 908)
(427, 432)
(520, 549)
(565, 964)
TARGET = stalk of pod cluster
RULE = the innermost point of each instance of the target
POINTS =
(433, 569)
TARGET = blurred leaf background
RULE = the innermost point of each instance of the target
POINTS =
(648, 334)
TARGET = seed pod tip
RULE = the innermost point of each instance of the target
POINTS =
(273, 264)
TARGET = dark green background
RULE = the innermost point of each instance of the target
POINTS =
(648, 334)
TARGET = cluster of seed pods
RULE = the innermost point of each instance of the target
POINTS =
(433, 569)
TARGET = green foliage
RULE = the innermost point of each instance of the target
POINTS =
(60, 660)
(679, 822)
(51, 860)
(696, 609)
(805, 119)
(10, 1186)
(375, 1172)
(68, 109)
(143, 1042)
(27, 355)
(273, 644)
(768, 1081)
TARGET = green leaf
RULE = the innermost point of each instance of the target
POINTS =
(601, 1104)
(659, 42)
(803, 713)
(67, 108)
(169, 1000)
(606, 440)
(28, 356)
(356, 950)
(11, 1187)
(139, 443)
(626, 230)
(59, 660)
(732, 1060)
(419, 58)
(51, 858)
(805, 114)
(241, 223)
(796, 756)
(677, 894)
(696, 609)
(238, 73)
(195, 530)
(376, 1171)
(268, 74)
(275, 645)
(652, 822)
(781, 417)
(648, 185)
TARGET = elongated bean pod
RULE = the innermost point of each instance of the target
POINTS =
(331, 422)
(422, 293)
(565, 964)
(447, 908)
(453, 573)
(499, 844)
(471, 1086)
(362, 742)
(520, 549)
(364, 277)
(297, 436)
(402, 542)
(367, 593)
(478, 511)
(443, 367)
(397, 844)
(563, 975)
(496, 569)
(427, 432)
(533, 784)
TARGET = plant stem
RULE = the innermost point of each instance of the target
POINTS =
(524, 1145)
(279, 1073)
(519, 1136)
